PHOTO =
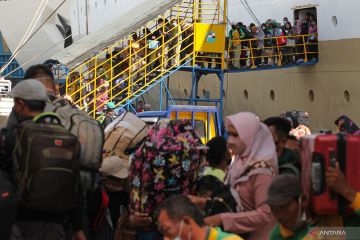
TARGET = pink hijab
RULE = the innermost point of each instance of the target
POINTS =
(260, 146)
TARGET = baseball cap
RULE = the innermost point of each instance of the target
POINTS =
(283, 189)
(115, 166)
(29, 89)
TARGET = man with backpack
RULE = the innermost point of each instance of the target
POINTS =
(43, 167)
(44, 75)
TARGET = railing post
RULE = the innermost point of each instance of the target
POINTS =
(145, 58)
(95, 88)
(163, 45)
(111, 75)
(130, 68)
(278, 52)
(305, 51)
(80, 88)
(252, 54)
(67, 84)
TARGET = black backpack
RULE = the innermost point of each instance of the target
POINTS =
(45, 159)
(221, 199)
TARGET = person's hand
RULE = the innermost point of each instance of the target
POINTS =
(78, 235)
(335, 180)
(139, 219)
(199, 201)
(213, 221)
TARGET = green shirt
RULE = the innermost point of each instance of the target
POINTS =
(281, 234)
(216, 172)
(218, 234)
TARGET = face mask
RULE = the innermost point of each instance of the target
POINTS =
(178, 237)
(284, 22)
(174, 23)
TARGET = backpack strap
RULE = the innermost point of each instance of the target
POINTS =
(42, 117)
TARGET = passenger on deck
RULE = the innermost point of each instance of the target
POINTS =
(313, 41)
(257, 45)
(250, 175)
(288, 50)
(236, 37)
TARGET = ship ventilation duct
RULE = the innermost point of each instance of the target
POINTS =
(120, 28)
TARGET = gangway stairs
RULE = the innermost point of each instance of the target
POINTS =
(197, 43)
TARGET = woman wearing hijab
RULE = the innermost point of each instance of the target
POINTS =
(346, 125)
(250, 176)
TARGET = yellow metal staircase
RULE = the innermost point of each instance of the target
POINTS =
(128, 68)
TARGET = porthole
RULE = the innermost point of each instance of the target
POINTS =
(311, 95)
(334, 22)
(347, 96)
(246, 94)
(272, 95)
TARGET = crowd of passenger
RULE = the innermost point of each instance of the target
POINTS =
(273, 43)
(163, 182)
(128, 68)
(170, 44)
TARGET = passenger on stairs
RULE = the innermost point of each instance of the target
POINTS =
(176, 42)
(164, 33)
(236, 36)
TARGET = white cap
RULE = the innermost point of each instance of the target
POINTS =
(29, 89)
(115, 166)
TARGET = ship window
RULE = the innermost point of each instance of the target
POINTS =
(347, 96)
(334, 21)
(246, 94)
(272, 95)
(311, 95)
